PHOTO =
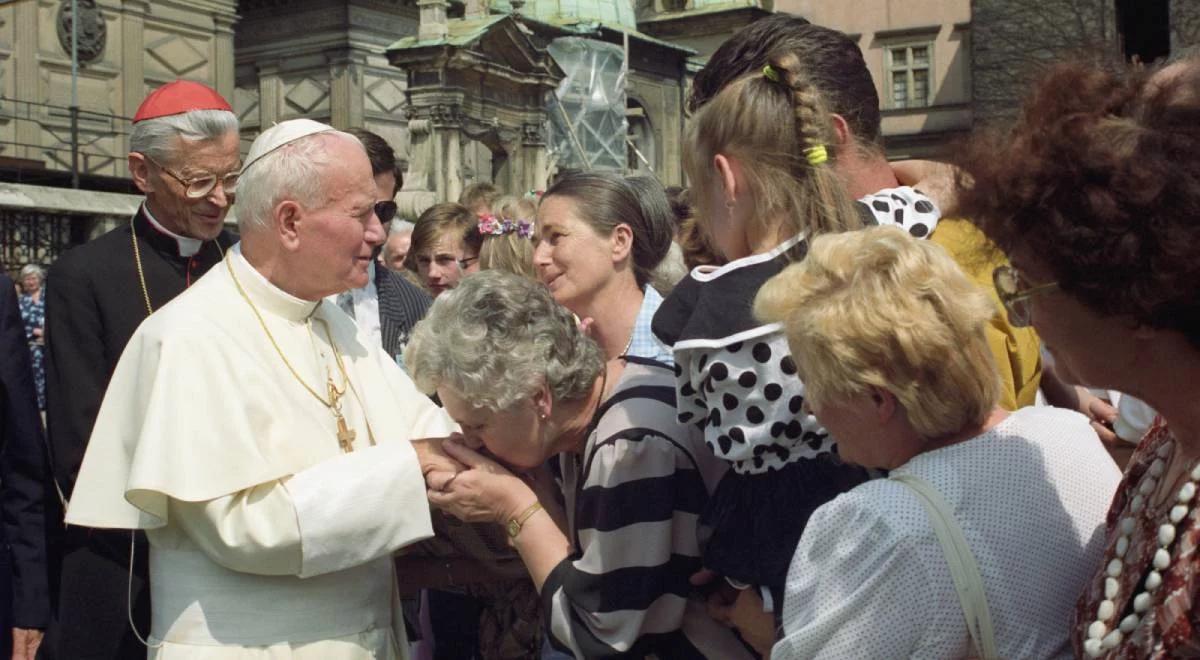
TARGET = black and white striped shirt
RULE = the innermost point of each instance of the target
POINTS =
(633, 499)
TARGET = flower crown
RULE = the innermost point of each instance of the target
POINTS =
(490, 225)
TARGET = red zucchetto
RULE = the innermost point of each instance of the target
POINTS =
(176, 98)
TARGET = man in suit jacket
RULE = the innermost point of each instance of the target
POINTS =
(24, 481)
(389, 305)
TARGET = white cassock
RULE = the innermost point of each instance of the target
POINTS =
(266, 540)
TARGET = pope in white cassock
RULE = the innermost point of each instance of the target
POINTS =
(264, 446)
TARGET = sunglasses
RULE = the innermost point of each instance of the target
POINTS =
(1016, 299)
(386, 211)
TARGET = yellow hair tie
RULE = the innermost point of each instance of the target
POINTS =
(770, 73)
(816, 155)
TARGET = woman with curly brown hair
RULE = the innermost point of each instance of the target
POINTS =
(1094, 194)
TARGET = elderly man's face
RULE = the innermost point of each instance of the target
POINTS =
(396, 249)
(336, 241)
(166, 195)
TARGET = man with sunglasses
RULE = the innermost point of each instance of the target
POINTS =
(389, 306)
(184, 157)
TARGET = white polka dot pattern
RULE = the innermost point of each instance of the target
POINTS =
(905, 207)
(749, 402)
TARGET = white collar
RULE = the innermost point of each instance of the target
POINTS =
(266, 295)
(187, 246)
(709, 273)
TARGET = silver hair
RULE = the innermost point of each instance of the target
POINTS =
(495, 338)
(33, 269)
(156, 137)
(400, 227)
(293, 171)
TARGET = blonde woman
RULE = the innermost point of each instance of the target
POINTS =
(507, 237)
(757, 157)
(889, 337)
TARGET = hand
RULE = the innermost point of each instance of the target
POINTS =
(1102, 414)
(432, 455)
(585, 326)
(930, 177)
(26, 642)
(746, 614)
(484, 492)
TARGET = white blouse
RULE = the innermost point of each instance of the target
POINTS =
(869, 578)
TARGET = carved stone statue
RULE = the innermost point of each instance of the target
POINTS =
(92, 33)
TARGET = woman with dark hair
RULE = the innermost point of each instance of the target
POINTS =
(1094, 194)
(596, 250)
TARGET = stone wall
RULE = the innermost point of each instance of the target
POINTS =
(127, 48)
(1013, 40)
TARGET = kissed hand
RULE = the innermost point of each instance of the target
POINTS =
(484, 491)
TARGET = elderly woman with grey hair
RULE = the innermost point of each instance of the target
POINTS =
(33, 315)
(514, 370)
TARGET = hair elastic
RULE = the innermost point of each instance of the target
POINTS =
(771, 74)
(816, 155)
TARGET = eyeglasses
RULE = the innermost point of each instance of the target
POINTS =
(386, 211)
(466, 262)
(199, 186)
(1016, 299)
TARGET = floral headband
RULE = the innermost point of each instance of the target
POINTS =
(490, 225)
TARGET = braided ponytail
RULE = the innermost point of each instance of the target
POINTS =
(783, 163)
(813, 126)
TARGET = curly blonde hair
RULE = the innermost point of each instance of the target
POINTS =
(879, 308)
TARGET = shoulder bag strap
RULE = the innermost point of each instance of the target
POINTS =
(963, 568)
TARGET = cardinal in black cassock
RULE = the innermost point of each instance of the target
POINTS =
(184, 157)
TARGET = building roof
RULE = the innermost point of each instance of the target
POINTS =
(466, 31)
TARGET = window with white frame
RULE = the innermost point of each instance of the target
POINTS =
(910, 75)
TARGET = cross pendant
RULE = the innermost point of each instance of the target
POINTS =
(345, 435)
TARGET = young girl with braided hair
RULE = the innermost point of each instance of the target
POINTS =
(759, 151)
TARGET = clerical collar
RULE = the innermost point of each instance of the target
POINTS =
(265, 295)
(187, 246)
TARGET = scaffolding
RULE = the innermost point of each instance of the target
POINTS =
(588, 126)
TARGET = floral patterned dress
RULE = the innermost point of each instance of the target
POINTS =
(33, 313)
(1168, 625)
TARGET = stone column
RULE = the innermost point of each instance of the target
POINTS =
(433, 26)
(346, 88)
(25, 65)
(270, 94)
(223, 50)
(533, 159)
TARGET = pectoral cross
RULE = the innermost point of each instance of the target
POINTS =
(345, 435)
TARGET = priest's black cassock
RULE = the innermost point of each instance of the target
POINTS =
(94, 302)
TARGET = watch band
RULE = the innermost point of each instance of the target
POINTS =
(515, 524)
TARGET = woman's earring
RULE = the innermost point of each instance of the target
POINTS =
(729, 206)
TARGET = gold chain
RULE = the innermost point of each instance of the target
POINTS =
(137, 260)
(334, 402)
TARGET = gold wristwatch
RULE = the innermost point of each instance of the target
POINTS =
(515, 524)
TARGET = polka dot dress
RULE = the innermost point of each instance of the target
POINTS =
(736, 381)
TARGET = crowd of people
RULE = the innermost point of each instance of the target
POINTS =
(816, 405)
